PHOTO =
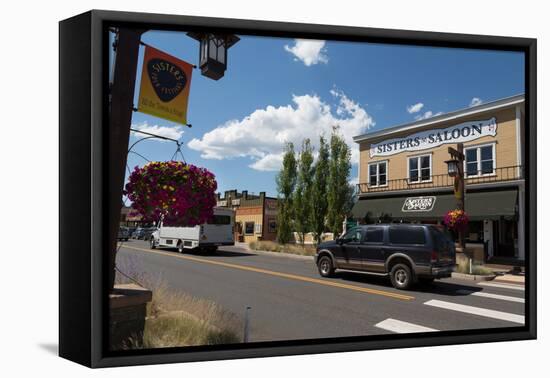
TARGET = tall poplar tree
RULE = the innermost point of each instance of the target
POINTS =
(319, 202)
(338, 182)
(303, 191)
(286, 182)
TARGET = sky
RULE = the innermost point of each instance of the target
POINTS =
(277, 90)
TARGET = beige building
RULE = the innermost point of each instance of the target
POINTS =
(403, 175)
(255, 215)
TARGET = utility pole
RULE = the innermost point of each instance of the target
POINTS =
(118, 133)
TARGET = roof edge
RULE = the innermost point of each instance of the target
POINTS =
(497, 104)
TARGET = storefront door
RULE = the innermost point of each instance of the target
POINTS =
(488, 238)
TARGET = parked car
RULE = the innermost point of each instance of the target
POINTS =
(137, 233)
(123, 233)
(147, 232)
(407, 253)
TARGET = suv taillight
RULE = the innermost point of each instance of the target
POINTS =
(434, 257)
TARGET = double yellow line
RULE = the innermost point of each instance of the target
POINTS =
(278, 274)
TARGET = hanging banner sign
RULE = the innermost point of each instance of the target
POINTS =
(165, 82)
(418, 204)
(464, 132)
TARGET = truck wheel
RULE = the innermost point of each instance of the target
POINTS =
(326, 269)
(152, 243)
(180, 247)
(401, 276)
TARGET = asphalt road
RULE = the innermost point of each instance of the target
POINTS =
(289, 300)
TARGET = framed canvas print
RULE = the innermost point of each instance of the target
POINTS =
(234, 188)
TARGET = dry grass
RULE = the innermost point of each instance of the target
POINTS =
(476, 269)
(177, 319)
(296, 249)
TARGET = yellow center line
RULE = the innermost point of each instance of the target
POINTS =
(278, 274)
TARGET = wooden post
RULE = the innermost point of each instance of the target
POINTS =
(459, 190)
(122, 105)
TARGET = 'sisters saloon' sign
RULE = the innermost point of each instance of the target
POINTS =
(423, 140)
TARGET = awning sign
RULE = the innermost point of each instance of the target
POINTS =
(165, 83)
(463, 132)
(418, 204)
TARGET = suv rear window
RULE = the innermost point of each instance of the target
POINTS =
(407, 235)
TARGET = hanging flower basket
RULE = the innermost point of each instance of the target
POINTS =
(456, 220)
(181, 194)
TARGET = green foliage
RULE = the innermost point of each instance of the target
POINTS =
(302, 196)
(319, 203)
(338, 182)
(286, 183)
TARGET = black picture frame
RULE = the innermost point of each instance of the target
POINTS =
(84, 185)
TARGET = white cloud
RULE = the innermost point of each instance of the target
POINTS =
(427, 114)
(308, 51)
(261, 136)
(415, 108)
(476, 101)
(174, 132)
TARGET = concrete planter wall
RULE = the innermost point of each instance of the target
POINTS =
(127, 313)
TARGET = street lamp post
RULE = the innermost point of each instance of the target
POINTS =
(213, 63)
(455, 167)
(122, 97)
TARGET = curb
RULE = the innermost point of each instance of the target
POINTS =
(473, 277)
(509, 282)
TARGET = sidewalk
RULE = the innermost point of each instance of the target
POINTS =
(515, 279)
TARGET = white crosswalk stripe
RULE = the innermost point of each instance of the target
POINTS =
(490, 295)
(399, 326)
(502, 286)
(477, 311)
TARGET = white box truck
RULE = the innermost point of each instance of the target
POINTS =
(206, 237)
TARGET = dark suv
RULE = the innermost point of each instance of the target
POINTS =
(408, 253)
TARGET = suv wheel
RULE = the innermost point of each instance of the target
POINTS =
(152, 244)
(401, 276)
(326, 269)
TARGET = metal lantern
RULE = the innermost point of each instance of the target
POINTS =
(213, 52)
(452, 167)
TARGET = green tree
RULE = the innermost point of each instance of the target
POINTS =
(338, 182)
(303, 191)
(286, 182)
(319, 204)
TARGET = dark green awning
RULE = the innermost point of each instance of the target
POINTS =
(479, 206)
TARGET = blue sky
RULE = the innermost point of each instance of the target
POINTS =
(281, 89)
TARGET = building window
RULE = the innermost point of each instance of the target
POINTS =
(420, 168)
(378, 173)
(258, 229)
(249, 228)
(220, 219)
(480, 160)
(272, 226)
